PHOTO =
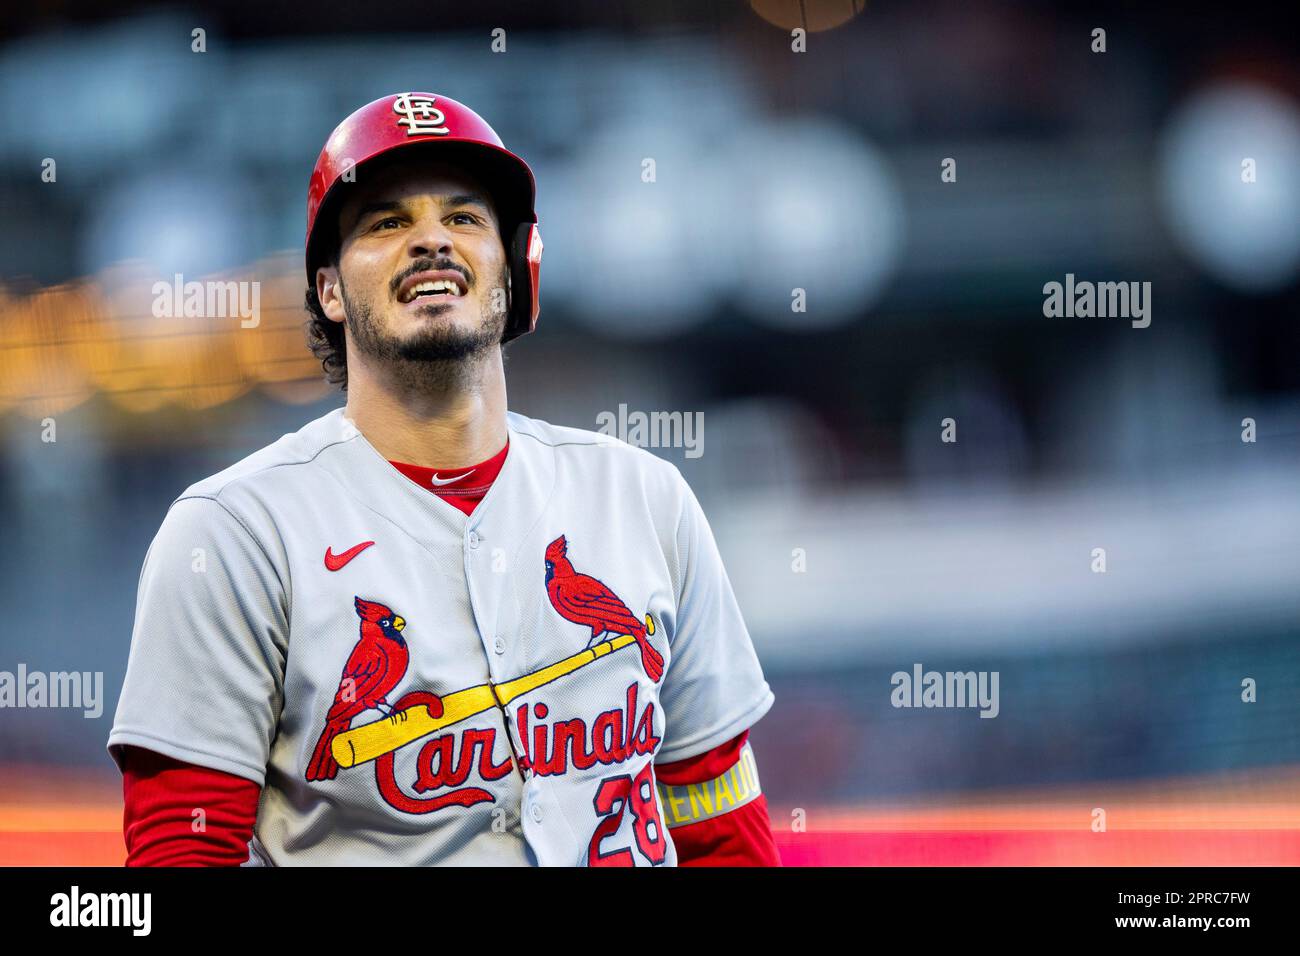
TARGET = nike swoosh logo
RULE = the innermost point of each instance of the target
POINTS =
(336, 561)
(446, 481)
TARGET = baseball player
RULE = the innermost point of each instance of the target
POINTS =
(424, 629)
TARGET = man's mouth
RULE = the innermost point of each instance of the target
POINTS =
(427, 285)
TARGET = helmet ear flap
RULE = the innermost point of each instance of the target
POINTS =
(525, 255)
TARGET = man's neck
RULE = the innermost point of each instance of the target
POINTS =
(431, 428)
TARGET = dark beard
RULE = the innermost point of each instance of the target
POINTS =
(435, 355)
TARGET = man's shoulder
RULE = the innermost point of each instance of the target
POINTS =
(279, 461)
(581, 446)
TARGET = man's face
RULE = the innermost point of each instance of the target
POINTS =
(421, 273)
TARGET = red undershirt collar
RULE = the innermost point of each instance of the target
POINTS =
(463, 487)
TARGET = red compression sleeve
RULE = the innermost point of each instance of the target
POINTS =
(161, 795)
(742, 837)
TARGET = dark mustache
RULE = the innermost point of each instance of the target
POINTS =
(428, 265)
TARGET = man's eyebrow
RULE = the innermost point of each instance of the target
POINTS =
(382, 205)
(468, 199)
(394, 205)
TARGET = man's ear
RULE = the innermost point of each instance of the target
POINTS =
(327, 290)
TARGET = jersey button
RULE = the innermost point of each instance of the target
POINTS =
(499, 646)
(537, 813)
(473, 539)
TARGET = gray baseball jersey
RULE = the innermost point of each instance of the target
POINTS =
(414, 686)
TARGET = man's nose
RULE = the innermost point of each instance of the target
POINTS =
(429, 237)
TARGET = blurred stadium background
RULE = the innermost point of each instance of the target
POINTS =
(774, 170)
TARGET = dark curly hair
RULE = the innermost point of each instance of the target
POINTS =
(325, 338)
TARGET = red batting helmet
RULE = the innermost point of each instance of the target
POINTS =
(424, 119)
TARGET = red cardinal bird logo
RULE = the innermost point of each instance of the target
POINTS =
(583, 600)
(373, 669)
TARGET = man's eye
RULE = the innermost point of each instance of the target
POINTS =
(384, 223)
(465, 215)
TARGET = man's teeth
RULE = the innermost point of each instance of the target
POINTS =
(433, 288)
